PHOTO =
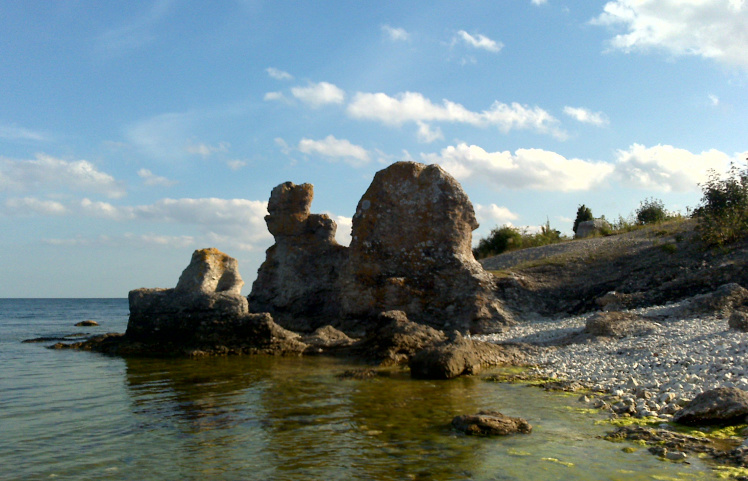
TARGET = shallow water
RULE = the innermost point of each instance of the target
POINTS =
(78, 415)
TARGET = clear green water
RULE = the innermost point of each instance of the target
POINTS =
(77, 415)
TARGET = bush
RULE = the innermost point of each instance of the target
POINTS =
(584, 214)
(508, 238)
(651, 211)
(501, 239)
(723, 213)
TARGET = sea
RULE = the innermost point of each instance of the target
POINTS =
(73, 415)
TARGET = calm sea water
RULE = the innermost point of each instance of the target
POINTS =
(78, 415)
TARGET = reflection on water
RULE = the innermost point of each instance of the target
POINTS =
(79, 415)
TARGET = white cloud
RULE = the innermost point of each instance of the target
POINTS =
(414, 107)
(273, 96)
(11, 132)
(395, 34)
(666, 168)
(539, 2)
(427, 135)
(319, 94)
(478, 41)
(713, 100)
(335, 149)
(206, 150)
(150, 179)
(525, 169)
(345, 224)
(714, 29)
(586, 116)
(494, 214)
(48, 173)
(163, 136)
(137, 32)
(278, 74)
(126, 240)
(31, 205)
(236, 164)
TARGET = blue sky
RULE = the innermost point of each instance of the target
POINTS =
(132, 133)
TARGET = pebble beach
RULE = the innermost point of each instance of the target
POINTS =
(648, 375)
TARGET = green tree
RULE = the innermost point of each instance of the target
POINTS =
(584, 214)
(501, 239)
(723, 213)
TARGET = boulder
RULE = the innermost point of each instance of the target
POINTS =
(722, 301)
(490, 423)
(723, 405)
(411, 251)
(87, 323)
(394, 339)
(328, 337)
(210, 271)
(446, 360)
(739, 321)
(297, 283)
(618, 324)
(591, 227)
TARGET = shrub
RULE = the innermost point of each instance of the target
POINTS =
(501, 239)
(584, 214)
(651, 211)
(723, 212)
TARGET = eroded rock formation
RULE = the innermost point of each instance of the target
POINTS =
(411, 251)
(297, 283)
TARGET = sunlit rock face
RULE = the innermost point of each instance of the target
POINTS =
(208, 290)
(297, 283)
(411, 251)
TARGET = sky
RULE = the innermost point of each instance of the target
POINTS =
(133, 133)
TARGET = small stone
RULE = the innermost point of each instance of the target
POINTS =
(490, 423)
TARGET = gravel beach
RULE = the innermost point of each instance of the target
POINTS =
(652, 374)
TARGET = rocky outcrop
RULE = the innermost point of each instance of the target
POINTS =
(722, 301)
(490, 423)
(411, 251)
(395, 339)
(589, 228)
(738, 321)
(618, 324)
(297, 283)
(723, 405)
(446, 360)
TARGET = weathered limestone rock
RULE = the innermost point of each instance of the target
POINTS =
(394, 339)
(591, 227)
(722, 301)
(618, 324)
(490, 423)
(445, 361)
(722, 405)
(328, 337)
(411, 251)
(211, 271)
(297, 281)
(738, 321)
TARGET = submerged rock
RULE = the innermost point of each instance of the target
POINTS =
(490, 423)
(723, 405)
(87, 323)
(297, 281)
(411, 251)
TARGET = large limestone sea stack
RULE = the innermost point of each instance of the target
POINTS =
(411, 251)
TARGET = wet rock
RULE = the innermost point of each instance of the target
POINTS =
(723, 405)
(297, 283)
(445, 361)
(358, 374)
(87, 323)
(395, 339)
(490, 423)
(618, 324)
(411, 251)
(328, 337)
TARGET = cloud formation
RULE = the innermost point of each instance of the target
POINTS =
(318, 94)
(714, 29)
(395, 34)
(152, 180)
(414, 107)
(333, 148)
(586, 116)
(51, 174)
(478, 41)
(278, 74)
(666, 168)
(494, 214)
(525, 169)
(11, 132)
